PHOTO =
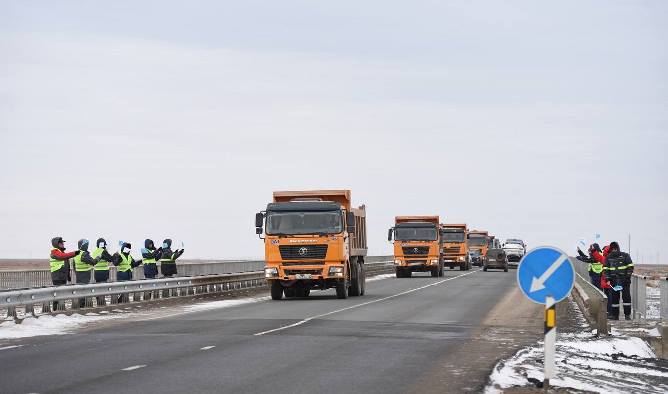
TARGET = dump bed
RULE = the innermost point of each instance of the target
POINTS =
(425, 219)
(340, 196)
(358, 240)
(454, 226)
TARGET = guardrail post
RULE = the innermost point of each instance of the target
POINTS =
(101, 301)
(634, 297)
(642, 298)
(663, 304)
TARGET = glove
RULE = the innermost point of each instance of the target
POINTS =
(78, 252)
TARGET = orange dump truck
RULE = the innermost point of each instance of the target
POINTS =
(455, 248)
(417, 245)
(478, 242)
(313, 240)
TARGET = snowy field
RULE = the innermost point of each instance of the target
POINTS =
(616, 364)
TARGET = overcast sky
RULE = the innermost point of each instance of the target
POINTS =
(135, 119)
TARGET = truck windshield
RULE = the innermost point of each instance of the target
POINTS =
(302, 223)
(477, 241)
(415, 234)
(453, 236)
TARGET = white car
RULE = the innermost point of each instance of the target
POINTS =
(514, 252)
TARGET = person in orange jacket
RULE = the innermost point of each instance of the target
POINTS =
(600, 256)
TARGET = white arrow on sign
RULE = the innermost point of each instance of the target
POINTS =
(538, 284)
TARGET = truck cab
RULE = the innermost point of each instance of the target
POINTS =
(478, 245)
(313, 240)
(454, 247)
(417, 245)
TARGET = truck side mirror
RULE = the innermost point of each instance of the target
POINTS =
(390, 232)
(259, 221)
(350, 222)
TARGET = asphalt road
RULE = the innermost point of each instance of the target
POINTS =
(405, 335)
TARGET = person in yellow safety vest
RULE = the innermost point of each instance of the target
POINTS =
(151, 255)
(125, 263)
(83, 263)
(59, 262)
(168, 260)
(595, 267)
(102, 267)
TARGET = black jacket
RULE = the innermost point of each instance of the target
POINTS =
(618, 266)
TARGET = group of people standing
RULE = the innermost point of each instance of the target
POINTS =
(610, 270)
(98, 262)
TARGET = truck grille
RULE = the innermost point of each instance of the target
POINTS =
(298, 271)
(453, 250)
(301, 252)
(415, 250)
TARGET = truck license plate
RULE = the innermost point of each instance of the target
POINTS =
(303, 276)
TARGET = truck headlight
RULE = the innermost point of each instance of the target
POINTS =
(336, 271)
(397, 262)
(434, 261)
(460, 258)
(270, 272)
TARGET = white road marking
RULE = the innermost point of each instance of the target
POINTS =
(207, 347)
(132, 368)
(10, 347)
(308, 319)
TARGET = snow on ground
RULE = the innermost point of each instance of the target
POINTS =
(205, 306)
(615, 364)
(380, 277)
(52, 325)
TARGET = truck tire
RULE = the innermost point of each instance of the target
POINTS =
(355, 279)
(276, 290)
(399, 272)
(341, 290)
(363, 276)
(290, 292)
(462, 266)
(434, 272)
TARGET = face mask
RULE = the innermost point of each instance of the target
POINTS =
(126, 250)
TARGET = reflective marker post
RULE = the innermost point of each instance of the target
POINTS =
(550, 339)
(546, 276)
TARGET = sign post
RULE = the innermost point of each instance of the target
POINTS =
(546, 276)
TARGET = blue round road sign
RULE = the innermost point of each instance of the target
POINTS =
(546, 271)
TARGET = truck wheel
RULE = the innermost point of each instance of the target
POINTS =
(355, 280)
(399, 272)
(341, 290)
(408, 274)
(434, 272)
(363, 278)
(276, 290)
(290, 292)
(462, 266)
(452, 266)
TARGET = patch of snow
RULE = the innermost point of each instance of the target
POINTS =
(205, 306)
(616, 364)
(50, 325)
(380, 277)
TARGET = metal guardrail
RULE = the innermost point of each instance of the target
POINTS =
(95, 295)
(23, 279)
